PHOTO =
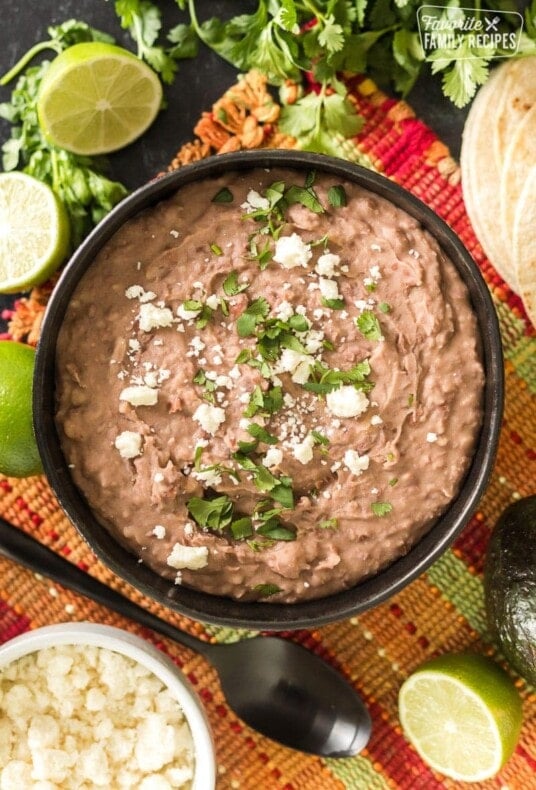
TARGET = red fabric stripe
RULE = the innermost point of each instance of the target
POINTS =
(11, 623)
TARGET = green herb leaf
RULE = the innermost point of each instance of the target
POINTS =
(368, 325)
(261, 434)
(330, 523)
(337, 196)
(242, 528)
(216, 249)
(333, 304)
(224, 195)
(231, 286)
(381, 508)
(384, 307)
(306, 196)
(214, 513)
(276, 531)
(266, 590)
(255, 312)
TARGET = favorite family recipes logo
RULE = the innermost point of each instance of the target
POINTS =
(468, 32)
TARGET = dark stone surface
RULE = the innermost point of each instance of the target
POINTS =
(199, 83)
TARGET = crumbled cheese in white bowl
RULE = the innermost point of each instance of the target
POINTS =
(86, 705)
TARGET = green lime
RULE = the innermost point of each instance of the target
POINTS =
(19, 456)
(463, 714)
(34, 232)
(96, 98)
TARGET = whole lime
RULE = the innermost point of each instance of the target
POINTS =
(19, 456)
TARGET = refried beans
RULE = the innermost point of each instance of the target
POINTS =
(269, 386)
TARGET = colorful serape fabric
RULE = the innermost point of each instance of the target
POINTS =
(442, 611)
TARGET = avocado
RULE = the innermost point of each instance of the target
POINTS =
(510, 586)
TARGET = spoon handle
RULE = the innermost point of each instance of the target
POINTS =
(16, 545)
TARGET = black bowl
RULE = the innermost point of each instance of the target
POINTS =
(220, 610)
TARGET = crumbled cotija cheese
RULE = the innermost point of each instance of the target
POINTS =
(347, 401)
(129, 444)
(292, 251)
(140, 395)
(79, 716)
(191, 557)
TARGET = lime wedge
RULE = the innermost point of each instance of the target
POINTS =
(463, 714)
(96, 98)
(34, 232)
(19, 456)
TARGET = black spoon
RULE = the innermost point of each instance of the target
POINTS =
(276, 686)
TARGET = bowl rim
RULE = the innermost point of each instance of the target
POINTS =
(372, 591)
(135, 647)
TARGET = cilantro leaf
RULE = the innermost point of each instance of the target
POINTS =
(368, 325)
(214, 513)
(255, 312)
(224, 195)
(381, 508)
(266, 590)
(231, 286)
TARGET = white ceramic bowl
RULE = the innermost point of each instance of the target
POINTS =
(137, 649)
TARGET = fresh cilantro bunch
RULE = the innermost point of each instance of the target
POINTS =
(142, 19)
(318, 40)
(80, 182)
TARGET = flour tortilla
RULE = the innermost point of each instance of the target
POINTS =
(519, 158)
(481, 177)
(514, 98)
(525, 244)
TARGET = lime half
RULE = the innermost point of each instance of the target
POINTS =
(96, 98)
(34, 232)
(463, 714)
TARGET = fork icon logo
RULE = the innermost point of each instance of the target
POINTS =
(491, 24)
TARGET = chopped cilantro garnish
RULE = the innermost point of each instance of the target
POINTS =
(411, 400)
(214, 513)
(242, 528)
(267, 589)
(381, 508)
(306, 196)
(252, 315)
(384, 307)
(368, 325)
(192, 304)
(333, 304)
(370, 287)
(216, 249)
(280, 489)
(330, 523)
(326, 380)
(261, 434)
(337, 196)
(261, 254)
(393, 481)
(231, 286)
(223, 196)
(264, 402)
(204, 316)
(208, 385)
(320, 438)
(275, 530)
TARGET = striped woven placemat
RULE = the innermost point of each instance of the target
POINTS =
(442, 611)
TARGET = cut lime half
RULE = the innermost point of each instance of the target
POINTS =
(96, 98)
(462, 713)
(34, 232)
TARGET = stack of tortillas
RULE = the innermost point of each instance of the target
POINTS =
(498, 162)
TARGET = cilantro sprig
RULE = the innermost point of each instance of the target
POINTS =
(325, 379)
(288, 40)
